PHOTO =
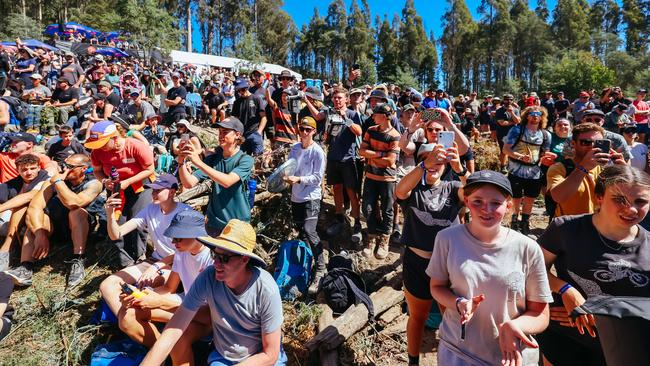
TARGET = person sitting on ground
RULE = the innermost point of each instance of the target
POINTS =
(155, 134)
(22, 143)
(606, 252)
(236, 281)
(571, 182)
(63, 100)
(67, 208)
(429, 205)
(306, 193)
(138, 317)
(491, 280)
(133, 161)
(174, 140)
(140, 109)
(65, 147)
(36, 97)
(229, 168)
(15, 196)
(154, 218)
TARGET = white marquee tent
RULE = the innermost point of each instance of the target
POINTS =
(199, 59)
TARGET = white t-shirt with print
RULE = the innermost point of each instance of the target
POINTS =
(509, 274)
(152, 219)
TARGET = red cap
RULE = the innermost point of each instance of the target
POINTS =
(584, 94)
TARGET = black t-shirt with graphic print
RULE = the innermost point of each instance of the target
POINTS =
(595, 265)
(428, 210)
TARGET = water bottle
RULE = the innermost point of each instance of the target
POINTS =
(115, 179)
(252, 187)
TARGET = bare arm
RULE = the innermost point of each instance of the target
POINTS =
(173, 331)
(19, 201)
(270, 350)
(73, 200)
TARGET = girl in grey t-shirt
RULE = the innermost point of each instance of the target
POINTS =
(491, 279)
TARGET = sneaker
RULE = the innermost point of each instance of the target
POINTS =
(315, 283)
(4, 261)
(369, 245)
(335, 228)
(76, 273)
(356, 233)
(382, 246)
(21, 276)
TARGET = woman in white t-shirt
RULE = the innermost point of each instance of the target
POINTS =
(638, 150)
(144, 308)
(492, 281)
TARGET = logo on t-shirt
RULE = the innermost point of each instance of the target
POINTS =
(619, 270)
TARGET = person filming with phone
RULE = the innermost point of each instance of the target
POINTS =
(572, 182)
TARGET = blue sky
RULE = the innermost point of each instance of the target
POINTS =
(430, 10)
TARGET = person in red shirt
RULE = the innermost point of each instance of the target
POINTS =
(641, 112)
(134, 163)
(22, 143)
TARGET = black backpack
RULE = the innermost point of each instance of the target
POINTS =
(18, 107)
(343, 287)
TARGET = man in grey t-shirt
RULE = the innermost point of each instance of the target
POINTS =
(244, 303)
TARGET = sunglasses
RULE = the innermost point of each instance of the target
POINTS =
(535, 114)
(286, 78)
(176, 240)
(305, 129)
(592, 119)
(70, 166)
(629, 130)
(586, 142)
(222, 258)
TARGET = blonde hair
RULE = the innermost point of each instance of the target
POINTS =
(524, 115)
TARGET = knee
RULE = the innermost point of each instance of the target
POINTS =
(127, 319)
(110, 286)
(77, 216)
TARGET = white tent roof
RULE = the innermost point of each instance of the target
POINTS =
(200, 59)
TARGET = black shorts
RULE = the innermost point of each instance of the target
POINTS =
(59, 221)
(565, 346)
(522, 187)
(343, 172)
(416, 281)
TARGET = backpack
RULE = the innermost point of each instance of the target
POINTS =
(166, 164)
(343, 287)
(545, 136)
(17, 106)
(121, 353)
(293, 268)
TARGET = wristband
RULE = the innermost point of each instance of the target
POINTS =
(159, 270)
(564, 288)
(458, 300)
(582, 169)
(57, 181)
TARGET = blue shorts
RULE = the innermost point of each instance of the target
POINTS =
(253, 144)
(216, 359)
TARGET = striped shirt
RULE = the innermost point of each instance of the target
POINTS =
(285, 129)
(387, 142)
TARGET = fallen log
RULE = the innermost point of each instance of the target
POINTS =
(197, 190)
(354, 319)
(391, 314)
(327, 357)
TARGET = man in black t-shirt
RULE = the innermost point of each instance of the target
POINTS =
(63, 99)
(112, 100)
(549, 104)
(506, 117)
(215, 104)
(562, 105)
(175, 101)
(286, 82)
(249, 109)
(65, 147)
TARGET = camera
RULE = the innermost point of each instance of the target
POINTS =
(297, 96)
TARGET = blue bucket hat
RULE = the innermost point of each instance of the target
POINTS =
(186, 224)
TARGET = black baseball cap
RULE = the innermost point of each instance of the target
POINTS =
(232, 123)
(22, 136)
(383, 108)
(489, 177)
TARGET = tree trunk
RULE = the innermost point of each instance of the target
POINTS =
(189, 26)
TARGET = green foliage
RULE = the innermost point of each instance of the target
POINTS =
(20, 26)
(575, 71)
(570, 24)
(247, 49)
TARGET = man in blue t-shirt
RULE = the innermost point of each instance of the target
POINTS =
(245, 307)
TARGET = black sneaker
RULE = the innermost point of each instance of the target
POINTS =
(396, 236)
(21, 276)
(76, 273)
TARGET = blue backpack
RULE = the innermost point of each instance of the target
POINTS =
(293, 268)
(119, 353)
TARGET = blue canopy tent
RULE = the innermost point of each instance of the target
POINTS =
(33, 43)
(111, 51)
(70, 27)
